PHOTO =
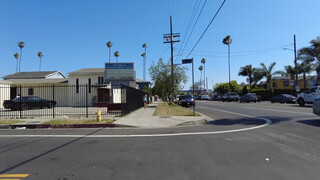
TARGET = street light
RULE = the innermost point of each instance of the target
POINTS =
(295, 62)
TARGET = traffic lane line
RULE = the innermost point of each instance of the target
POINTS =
(13, 176)
(293, 112)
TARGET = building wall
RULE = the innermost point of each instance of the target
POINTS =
(4, 93)
(280, 84)
(82, 96)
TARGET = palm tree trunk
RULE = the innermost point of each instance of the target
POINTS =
(204, 77)
(200, 80)
(17, 65)
(109, 54)
(229, 63)
(40, 65)
(20, 59)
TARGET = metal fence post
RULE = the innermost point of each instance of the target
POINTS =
(53, 115)
(87, 101)
(20, 103)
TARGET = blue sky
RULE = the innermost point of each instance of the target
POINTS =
(73, 34)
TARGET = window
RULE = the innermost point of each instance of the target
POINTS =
(274, 84)
(89, 82)
(286, 83)
(100, 80)
(77, 85)
(30, 91)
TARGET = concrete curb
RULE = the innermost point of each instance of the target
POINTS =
(5, 127)
(47, 126)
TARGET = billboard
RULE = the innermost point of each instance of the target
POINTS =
(119, 72)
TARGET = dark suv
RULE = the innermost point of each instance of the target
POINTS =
(186, 100)
(230, 96)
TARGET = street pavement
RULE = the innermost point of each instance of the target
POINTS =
(238, 144)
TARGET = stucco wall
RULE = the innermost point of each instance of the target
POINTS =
(4, 93)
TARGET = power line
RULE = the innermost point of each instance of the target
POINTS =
(206, 28)
(193, 27)
(194, 12)
(241, 52)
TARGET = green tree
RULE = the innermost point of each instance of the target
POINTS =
(305, 67)
(21, 45)
(16, 55)
(247, 71)
(40, 56)
(227, 41)
(116, 54)
(222, 88)
(109, 44)
(268, 72)
(160, 74)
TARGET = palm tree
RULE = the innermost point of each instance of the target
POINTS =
(40, 56)
(21, 45)
(289, 71)
(200, 68)
(16, 55)
(305, 68)
(116, 54)
(311, 54)
(203, 61)
(144, 60)
(109, 44)
(268, 72)
(249, 72)
(227, 41)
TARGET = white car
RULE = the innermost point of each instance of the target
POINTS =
(316, 105)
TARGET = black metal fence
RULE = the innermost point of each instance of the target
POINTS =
(63, 101)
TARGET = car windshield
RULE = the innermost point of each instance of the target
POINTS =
(186, 97)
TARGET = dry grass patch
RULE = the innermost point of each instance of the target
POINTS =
(91, 121)
(163, 109)
(10, 122)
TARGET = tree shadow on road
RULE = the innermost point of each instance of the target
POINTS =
(256, 121)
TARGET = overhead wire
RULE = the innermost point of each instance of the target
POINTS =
(206, 28)
(194, 26)
(195, 9)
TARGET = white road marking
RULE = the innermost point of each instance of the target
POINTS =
(267, 122)
(280, 111)
(143, 135)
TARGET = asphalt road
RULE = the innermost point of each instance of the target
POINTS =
(238, 144)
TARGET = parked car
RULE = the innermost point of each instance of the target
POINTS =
(186, 100)
(249, 98)
(28, 102)
(215, 97)
(308, 96)
(284, 98)
(316, 106)
(230, 96)
(258, 96)
(205, 97)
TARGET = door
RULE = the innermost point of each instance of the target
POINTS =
(13, 92)
(103, 95)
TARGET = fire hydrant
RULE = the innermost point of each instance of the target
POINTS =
(98, 113)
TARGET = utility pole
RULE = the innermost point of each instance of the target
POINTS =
(169, 38)
(295, 63)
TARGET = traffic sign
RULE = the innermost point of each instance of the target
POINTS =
(186, 61)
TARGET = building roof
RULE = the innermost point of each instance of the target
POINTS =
(142, 81)
(31, 75)
(87, 71)
(35, 81)
(284, 78)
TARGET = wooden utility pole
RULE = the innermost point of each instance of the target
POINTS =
(169, 38)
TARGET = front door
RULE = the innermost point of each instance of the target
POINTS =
(103, 95)
(13, 92)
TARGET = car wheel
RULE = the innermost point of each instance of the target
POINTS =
(272, 101)
(50, 105)
(24, 107)
(301, 102)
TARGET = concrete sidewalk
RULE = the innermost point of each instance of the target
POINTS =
(143, 118)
